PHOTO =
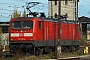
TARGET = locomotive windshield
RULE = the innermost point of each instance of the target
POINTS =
(16, 25)
(23, 24)
(27, 24)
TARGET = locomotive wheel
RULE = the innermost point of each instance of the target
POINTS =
(31, 51)
(38, 51)
(14, 51)
(11, 51)
(73, 49)
(65, 49)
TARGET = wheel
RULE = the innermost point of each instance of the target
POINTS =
(37, 51)
(65, 49)
(73, 49)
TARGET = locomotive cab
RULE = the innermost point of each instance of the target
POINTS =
(21, 33)
(25, 33)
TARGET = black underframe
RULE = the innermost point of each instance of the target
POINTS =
(39, 43)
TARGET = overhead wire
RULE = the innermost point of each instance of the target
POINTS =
(82, 10)
(8, 7)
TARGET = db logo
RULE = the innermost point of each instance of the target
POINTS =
(21, 34)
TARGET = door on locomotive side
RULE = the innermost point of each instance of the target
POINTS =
(38, 34)
(74, 31)
(77, 31)
(49, 32)
(40, 30)
(64, 31)
(71, 31)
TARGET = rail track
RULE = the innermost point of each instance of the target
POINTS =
(5, 54)
(84, 57)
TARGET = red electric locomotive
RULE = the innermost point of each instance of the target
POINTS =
(33, 34)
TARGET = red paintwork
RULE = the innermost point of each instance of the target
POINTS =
(49, 30)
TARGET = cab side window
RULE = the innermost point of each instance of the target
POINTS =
(40, 25)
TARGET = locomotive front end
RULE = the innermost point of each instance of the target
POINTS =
(21, 34)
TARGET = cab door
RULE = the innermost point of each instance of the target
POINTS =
(40, 33)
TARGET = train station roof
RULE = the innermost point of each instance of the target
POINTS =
(84, 19)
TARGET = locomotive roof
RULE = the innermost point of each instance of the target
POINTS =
(48, 19)
(53, 20)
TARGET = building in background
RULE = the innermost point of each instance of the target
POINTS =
(85, 27)
(69, 8)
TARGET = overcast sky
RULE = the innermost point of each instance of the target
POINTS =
(7, 7)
